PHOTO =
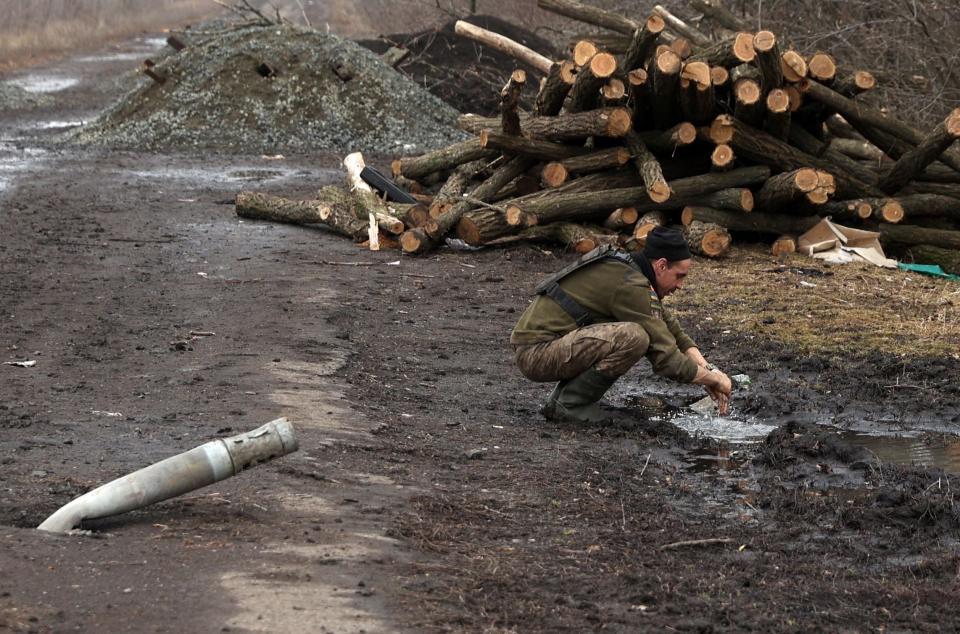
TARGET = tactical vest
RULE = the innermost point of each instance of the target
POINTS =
(551, 286)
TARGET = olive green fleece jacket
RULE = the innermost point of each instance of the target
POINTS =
(613, 291)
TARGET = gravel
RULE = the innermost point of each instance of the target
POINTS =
(328, 93)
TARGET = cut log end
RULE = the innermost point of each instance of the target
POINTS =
(784, 245)
(659, 192)
(583, 52)
(743, 47)
(747, 92)
(806, 179)
(655, 24)
(822, 67)
(721, 129)
(722, 156)
(620, 122)
(603, 65)
(891, 212)
(793, 65)
(685, 133)
(952, 123)
(554, 174)
(707, 239)
(778, 101)
(764, 41)
(719, 76)
(413, 241)
(668, 62)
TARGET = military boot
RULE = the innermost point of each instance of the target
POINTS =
(577, 399)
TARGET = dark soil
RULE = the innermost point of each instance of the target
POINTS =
(428, 493)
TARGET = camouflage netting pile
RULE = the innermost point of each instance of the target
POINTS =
(327, 93)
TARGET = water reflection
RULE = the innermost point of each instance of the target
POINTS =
(941, 451)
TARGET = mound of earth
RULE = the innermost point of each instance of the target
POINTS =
(460, 71)
(277, 88)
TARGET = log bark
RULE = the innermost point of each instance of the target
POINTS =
(590, 15)
(504, 45)
(534, 148)
(761, 147)
(567, 205)
(739, 199)
(452, 190)
(683, 29)
(335, 211)
(862, 116)
(806, 142)
(914, 161)
(664, 88)
(748, 107)
(697, 99)
(727, 53)
(771, 224)
(418, 167)
(713, 10)
(707, 239)
(910, 235)
(585, 93)
(785, 188)
(555, 173)
(948, 259)
(566, 126)
(556, 86)
(854, 83)
(648, 167)
(768, 60)
(777, 120)
(642, 43)
(510, 100)
(906, 207)
(668, 141)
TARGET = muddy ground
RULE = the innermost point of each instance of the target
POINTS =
(428, 493)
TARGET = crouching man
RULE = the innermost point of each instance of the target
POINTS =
(592, 321)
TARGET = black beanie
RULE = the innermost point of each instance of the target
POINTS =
(666, 243)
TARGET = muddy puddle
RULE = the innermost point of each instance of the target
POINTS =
(15, 160)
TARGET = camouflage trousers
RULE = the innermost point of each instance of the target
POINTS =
(611, 348)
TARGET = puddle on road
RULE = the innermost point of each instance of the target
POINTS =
(236, 173)
(44, 83)
(928, 450)
(56, 125)
(14, 160)
(728, 428)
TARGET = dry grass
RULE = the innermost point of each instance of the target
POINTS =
(33, 30)
(815, 307)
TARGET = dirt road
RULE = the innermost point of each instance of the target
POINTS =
(428, 494)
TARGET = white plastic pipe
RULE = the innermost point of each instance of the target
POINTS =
(214, 461)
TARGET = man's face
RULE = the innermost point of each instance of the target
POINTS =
(670, 275)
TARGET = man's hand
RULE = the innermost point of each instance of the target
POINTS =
(718, 385)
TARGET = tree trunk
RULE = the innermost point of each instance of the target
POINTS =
(590, 15)
(914, 161)
(768, 60)
(642, 43)
(739, 199)
(335, 211)
(621, 218)
(533, 148)
(707, 239)
(761, 147)
(556, 173)
(772, 224)
(682, 28)
(857, 113)
(649, 169)
(479, 227)
(556, 86)
(948, 259)
(452, 190)
(567, 126)
(562, 205)
(911, 235)
(509, 101)
(785, 188)
(713, 10)
(668, 141)
(665, 87)
(784, 245)
(585, 93)
(417, 167)
(504, 45)
(647, 223)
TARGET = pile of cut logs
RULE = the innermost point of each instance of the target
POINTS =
(658, 123)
